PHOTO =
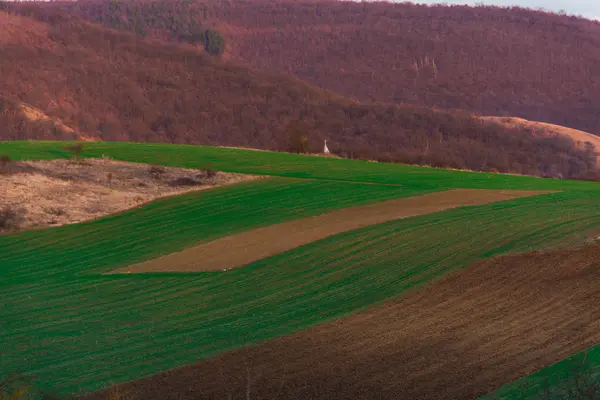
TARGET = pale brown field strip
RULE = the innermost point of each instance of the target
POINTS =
(243, 248)
(458, 338)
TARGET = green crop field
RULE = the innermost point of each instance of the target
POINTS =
(286, 165)
(553, 381)
(76, 330)
(174, 223)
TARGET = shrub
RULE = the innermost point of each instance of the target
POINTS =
(209, 172)
(4, 163)
(214, 43)
(57, 211)
(10, 218)
(76, 149)
(185, 181)
(156, 171)
(298, 133)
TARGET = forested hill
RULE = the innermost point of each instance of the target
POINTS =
(489, 60)
(58, 71)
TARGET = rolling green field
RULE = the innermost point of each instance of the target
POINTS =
(287, 165)
(172, 224)
(77, 330)
(553, 381)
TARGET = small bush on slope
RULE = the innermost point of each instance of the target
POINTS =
(4, 163)
(10, 218)
(75, 149)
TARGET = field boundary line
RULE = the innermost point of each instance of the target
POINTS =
(246, 247)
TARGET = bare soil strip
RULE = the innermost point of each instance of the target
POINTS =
(243, 248)
(458, 338)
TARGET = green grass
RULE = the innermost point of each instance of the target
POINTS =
(173, 224)
(554, 381)
(77, 330)
(286, 165)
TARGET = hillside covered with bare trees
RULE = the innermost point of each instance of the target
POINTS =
(488, 60)
(106, 84)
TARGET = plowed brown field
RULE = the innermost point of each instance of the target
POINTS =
(457, 338)
(243, 248)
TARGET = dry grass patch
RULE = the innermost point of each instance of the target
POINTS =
(543, 127)
(51, 193)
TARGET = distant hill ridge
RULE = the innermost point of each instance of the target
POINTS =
(115, 86)
(536, 127)
(489, 60)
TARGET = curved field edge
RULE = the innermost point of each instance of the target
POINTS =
(241, 249)
(132, 326)
(51, 193)
(554, 381)
(463, 335)
(175, 223)
(286, 165)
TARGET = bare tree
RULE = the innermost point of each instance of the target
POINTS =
(4, 163)
(76, 149)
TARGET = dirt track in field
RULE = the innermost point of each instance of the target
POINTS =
(241, 249)
(458, 338)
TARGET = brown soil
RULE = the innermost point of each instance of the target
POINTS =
(458, 338)
(58, 192)
(243, 248)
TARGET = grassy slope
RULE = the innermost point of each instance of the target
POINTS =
(129, 326)
(553, 381)
(172, 224)
(289, 165)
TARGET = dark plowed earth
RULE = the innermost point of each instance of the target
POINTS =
(458, 338)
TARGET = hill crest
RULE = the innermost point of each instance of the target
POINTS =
(489, 60)
(115, 86)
